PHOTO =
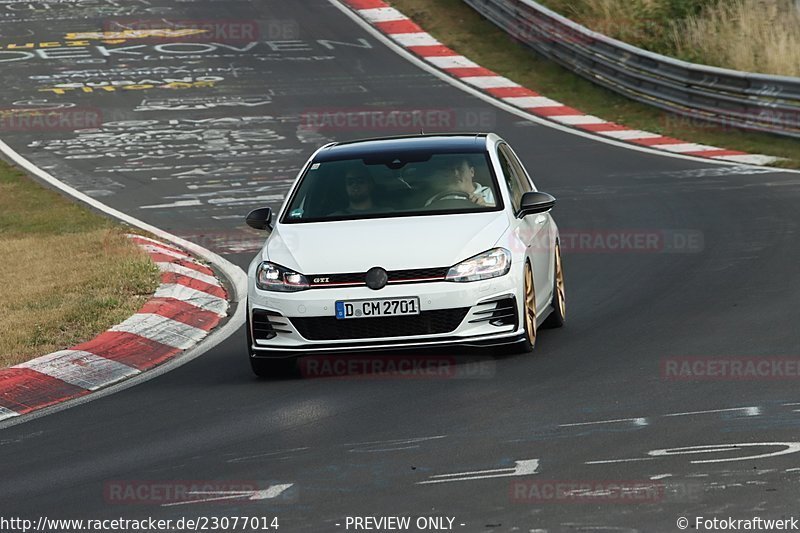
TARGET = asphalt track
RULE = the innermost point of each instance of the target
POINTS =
(362, 446)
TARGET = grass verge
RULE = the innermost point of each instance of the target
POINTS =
(750, 35)
(68, 274)
(458, 26)
(644, 23)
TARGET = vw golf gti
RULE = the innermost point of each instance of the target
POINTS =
(405, 242)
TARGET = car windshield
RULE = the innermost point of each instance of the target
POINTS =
(423, 184)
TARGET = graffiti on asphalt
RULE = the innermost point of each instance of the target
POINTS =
(84, 51)
(18, 11)
(215, 138)
(193, 103)
(187, 82)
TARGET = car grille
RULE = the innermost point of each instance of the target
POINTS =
(267, 324)
(395, 276)
(425, 323)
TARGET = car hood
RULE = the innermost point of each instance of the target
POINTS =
(391, 243)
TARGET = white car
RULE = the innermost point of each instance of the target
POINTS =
(405, 242)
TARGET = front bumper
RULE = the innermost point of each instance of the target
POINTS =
(481, 313)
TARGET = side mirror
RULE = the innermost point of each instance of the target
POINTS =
(260, 218)
(535, 202)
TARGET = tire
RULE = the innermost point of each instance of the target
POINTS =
(559, 303)
(529, 309)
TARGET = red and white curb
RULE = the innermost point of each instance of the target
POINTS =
(413, 38)
(188, 304)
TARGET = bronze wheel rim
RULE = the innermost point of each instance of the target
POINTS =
(560, 294)
(530, 306)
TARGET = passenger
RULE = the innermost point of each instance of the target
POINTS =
(455, 182)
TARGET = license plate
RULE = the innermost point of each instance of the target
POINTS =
(377, 308)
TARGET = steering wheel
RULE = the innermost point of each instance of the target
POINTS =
(453, 195)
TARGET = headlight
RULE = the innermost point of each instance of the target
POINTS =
(272, 277)
(489, 264)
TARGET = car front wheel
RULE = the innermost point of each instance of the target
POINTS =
(529, 310)
(559, 303)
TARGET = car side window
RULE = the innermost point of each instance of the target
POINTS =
(519, 171)
(514, 175)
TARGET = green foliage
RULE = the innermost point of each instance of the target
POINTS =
(644, 23)
(26, 208)
(68, 273)
(460, 27)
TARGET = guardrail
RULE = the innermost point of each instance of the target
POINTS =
(745, 100)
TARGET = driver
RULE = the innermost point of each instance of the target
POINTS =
(455, 182)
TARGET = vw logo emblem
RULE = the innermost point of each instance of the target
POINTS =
(376, 278)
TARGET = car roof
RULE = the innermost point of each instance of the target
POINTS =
(405, 145)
